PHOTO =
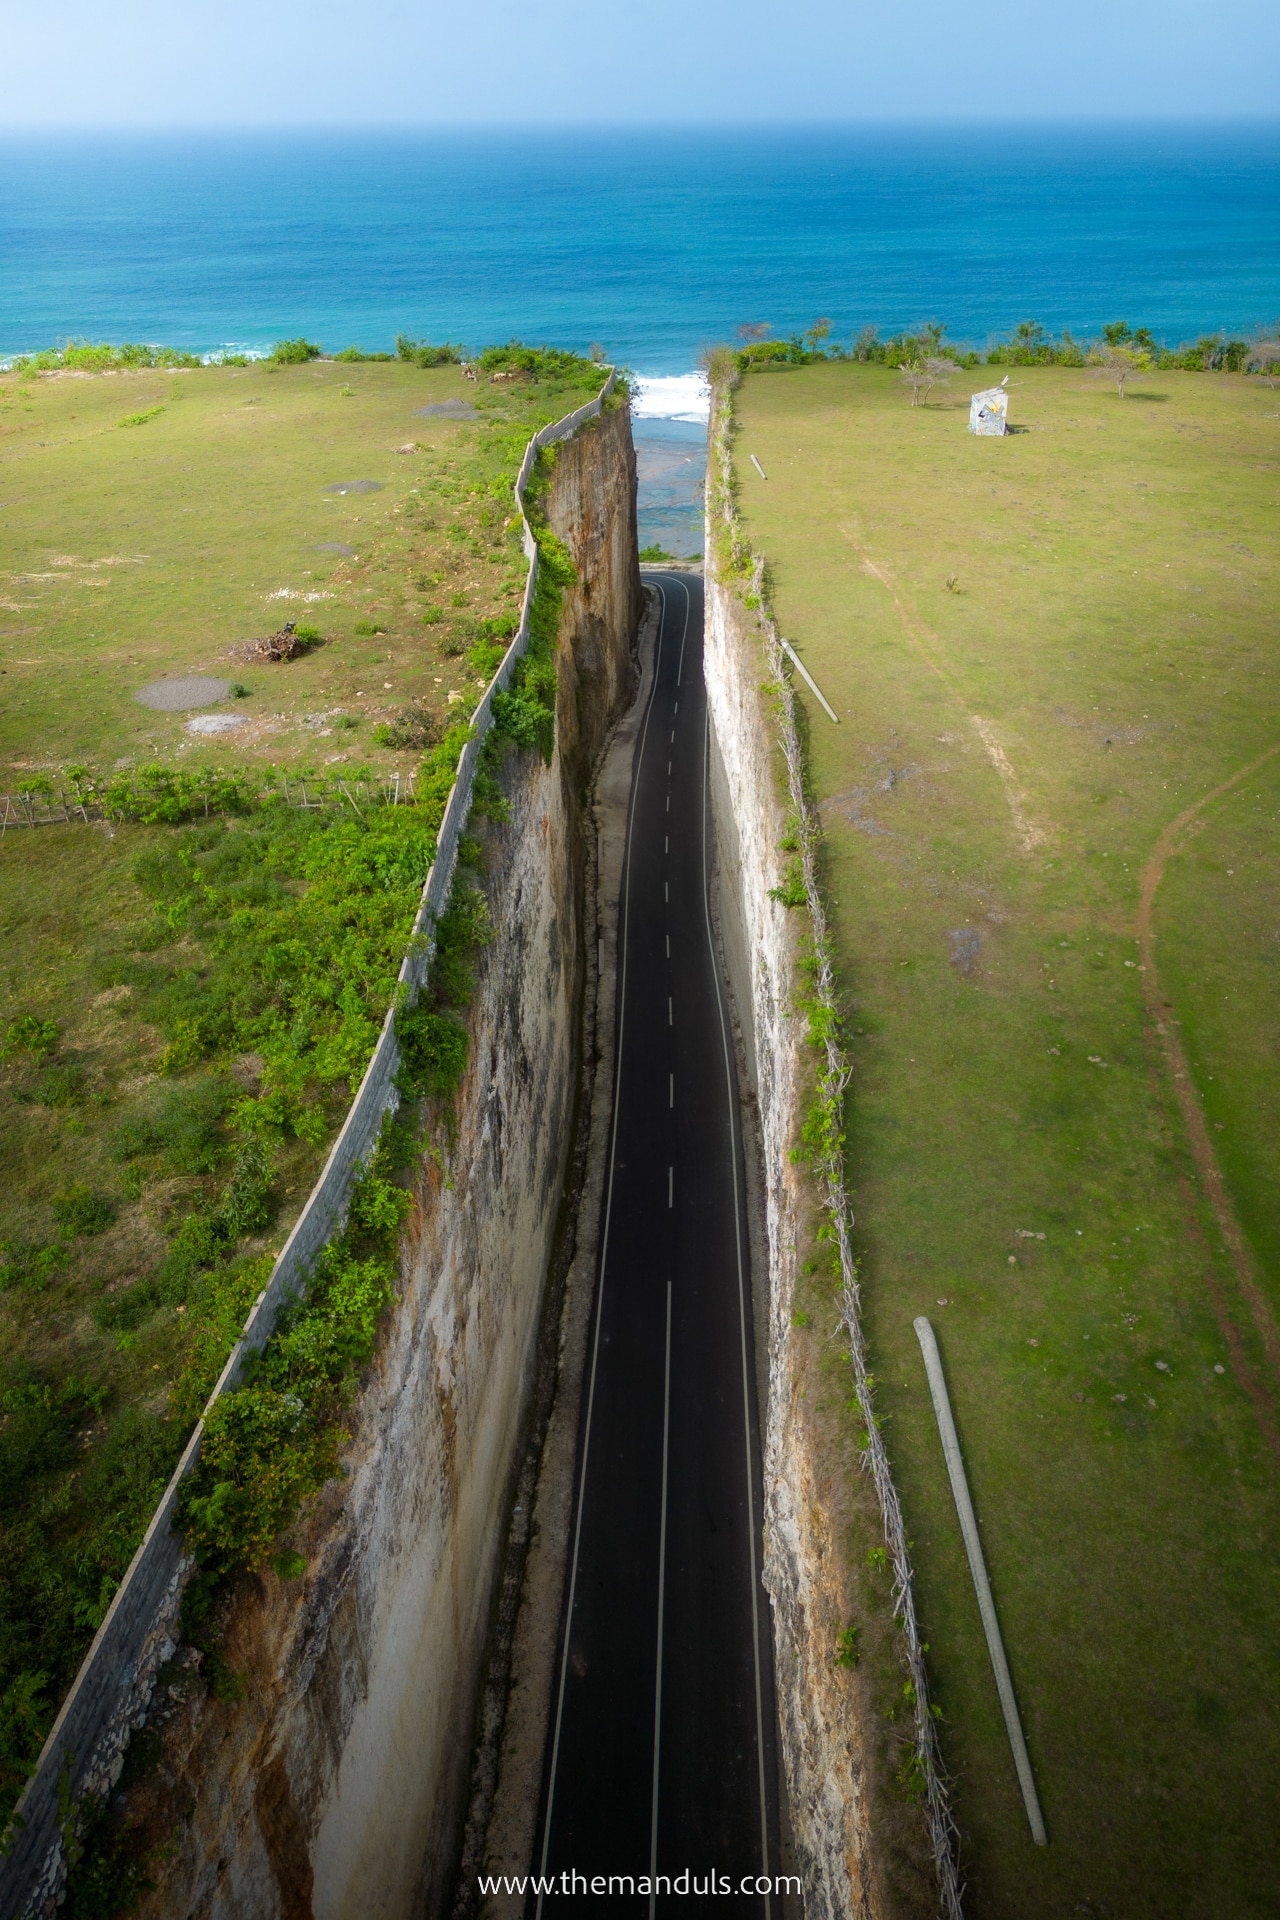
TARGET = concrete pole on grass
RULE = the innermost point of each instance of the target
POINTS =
(981, 1584)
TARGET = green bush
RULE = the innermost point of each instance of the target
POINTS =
(186, 1127)
(366, 629)
(293, 353)
(83, 357)
(29, 1265)
(271, 1445)
(29, 1035)
(61, 1085)
(82, 1211)
(538, 362)
(355, 355)
(422, 354)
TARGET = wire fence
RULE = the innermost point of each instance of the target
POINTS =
(833, 1081)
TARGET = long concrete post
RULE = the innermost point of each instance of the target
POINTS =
(981, 1584)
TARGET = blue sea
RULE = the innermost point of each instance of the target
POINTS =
(656, 244)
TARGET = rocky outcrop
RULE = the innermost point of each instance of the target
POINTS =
(337, 1785)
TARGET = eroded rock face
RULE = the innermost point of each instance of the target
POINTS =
(337, 1786)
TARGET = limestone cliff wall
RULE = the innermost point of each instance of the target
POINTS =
(820, 1736)
(337, 1786)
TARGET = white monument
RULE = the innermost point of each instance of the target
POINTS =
(988, 411)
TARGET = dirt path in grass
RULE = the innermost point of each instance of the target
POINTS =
(1205, 1159)
(925, 640)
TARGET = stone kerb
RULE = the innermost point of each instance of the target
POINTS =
(84, 1751)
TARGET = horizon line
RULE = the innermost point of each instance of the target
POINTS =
(1083, 119)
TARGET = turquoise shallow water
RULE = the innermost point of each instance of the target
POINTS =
(656, 244)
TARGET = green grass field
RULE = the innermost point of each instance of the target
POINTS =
(131, 553)
(1044, 650)
(186, 1009)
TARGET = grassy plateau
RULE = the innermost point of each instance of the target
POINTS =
(188, 998)
(1050, 810)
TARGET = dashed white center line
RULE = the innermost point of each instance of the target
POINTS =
(671, 1186)
(666, 843)
(671, 1089)
(668, 803)
(671, 1018)
(668, 946)
(668, 769)
(666, 891)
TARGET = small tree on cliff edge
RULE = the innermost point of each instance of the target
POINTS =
(922, 374)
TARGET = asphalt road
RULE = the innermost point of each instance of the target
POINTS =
(661, 1754)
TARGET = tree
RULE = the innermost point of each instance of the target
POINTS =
(758, 330)
(1264, 358)
(818, 332)
(922, 373)
(866, 343)
(1120, 363)
(1117, 333)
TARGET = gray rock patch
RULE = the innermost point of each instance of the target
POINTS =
(354, 486)
(175, 696)
(214, 723)
(449, 410)
(966, 945)
(334, 546)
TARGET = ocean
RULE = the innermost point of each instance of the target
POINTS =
(655, 244)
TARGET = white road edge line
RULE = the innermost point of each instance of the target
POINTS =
(662, 1580)
(978, 1568)
(808, 678)
(604, 1248)
(742, 1308)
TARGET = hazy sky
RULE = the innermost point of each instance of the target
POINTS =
(331, 62)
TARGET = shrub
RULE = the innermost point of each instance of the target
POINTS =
(186, 1127)
(24, 1264)
(61, 1086)
(422, 354)
(29, 1035)
(354, 355)
(367, 628)
(433, 1052)
(82, 1211)
(292, 353)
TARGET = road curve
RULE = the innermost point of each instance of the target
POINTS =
(661, 1742)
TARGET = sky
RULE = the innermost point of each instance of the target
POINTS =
(294, 63)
